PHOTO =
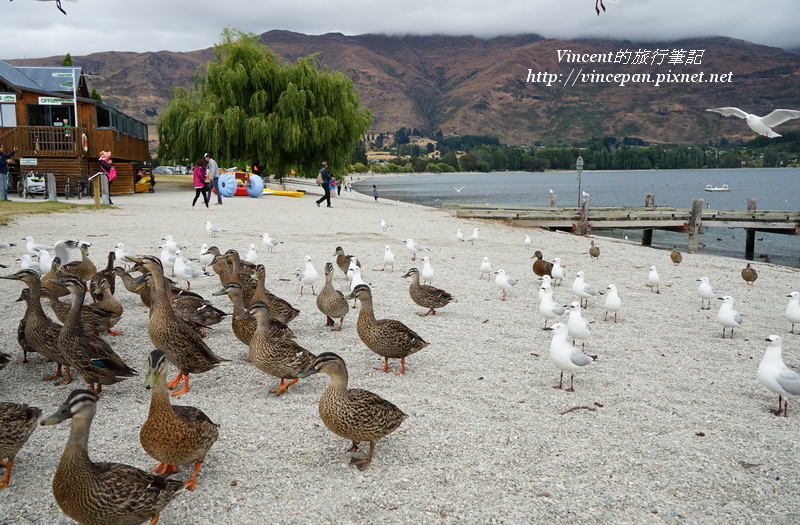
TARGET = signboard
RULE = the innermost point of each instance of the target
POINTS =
(8, 97)
(27, 162)
(62, 75)
(52, 101)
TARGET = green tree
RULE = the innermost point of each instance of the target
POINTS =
(67, 62)
(96, 96)
(251, 104)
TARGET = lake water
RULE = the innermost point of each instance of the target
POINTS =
(773, 189)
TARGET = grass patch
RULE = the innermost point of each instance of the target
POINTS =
(10, 210)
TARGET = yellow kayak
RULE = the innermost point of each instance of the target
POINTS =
(284, 193)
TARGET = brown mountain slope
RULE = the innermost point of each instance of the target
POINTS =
(465, 85)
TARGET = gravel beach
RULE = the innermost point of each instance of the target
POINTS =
(671, 424)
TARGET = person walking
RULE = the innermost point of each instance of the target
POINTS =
(339, 187)
(201, 184)
(106, 164)
(212, 172)
(375, 192)
(4, 168)
(326, 185)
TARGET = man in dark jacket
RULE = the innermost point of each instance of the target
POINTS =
(326, 185)
(4, 169)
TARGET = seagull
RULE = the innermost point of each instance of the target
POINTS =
(33, 248)
(356, 279)
(548, 307)
(546, 280)
(121, 255)
(45, 262)
(565, 356)
(186, 272)
(459, 235)
(6, 244)
(601, 5)
(577, 326)
(486, 268)
(58, 4)
(167, 259)
(585, 195)
(527, 242)
(613, 302)
(706, 292)
(653, 279)
(385, 225)
(472, 238)
(557, 272)
(414, 247)
(26, 262)
(583, 290)
(308, 276)
(727, 316)
(65, 249)
(426, 275)
(776, 376)
(171, 245)
(251, 256)
(204, 257)
(504, 282)
(458, 190)
(761, 125)
(388, 258)
(793, 310)
(213, 230)
(269, 242)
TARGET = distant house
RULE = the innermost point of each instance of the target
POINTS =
(59, 129)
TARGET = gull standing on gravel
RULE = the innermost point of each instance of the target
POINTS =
(252, 255)
(793, 310)
(583, 290)
(557, 272)
(527, 242)
(504, 282)
(121, 255)
(776, 376)
(184, 271)
(472, 238)
(761, 125)
(213, 230)
(388, 258)
(486, 268)
(459, 235)
(577, 326)
(167, 258)
(385, 225)
(171, 245)
(548, 307)
(565, 356)
(205, 258)
(414, 248)
(653, 279)
(269, 242)
(426, 275)
(308, 276)
(26, 262)
(613, 302)
(727, 316)
(45, 261)
(706, 292)
(33, 247)
(546, 281)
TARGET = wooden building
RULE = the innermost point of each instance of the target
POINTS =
(46, 112)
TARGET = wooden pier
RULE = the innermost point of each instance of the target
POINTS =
(647, 218)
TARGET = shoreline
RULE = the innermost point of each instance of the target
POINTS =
(679, 428)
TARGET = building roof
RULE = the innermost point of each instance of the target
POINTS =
(16, 78)
(41, 78)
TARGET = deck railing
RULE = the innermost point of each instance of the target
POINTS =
(45, 141)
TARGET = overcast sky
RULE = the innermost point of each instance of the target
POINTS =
(32, 29)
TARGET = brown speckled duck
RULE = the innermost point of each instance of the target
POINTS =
(279, 308)
(354, 414)
(174, 435)
(17, 423)
(343, 261)
(540, 266)
(243, 327)
(749, 275)
(386, 337)
(331, 301)
(426, 295)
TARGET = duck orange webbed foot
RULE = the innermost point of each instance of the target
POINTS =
(165, 469)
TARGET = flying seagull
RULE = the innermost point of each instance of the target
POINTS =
(761, 125)
(58, 4)
(601, 5)
(458, 190)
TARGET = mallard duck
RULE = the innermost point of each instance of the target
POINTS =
(540, 266)
(218, 264)
(39, 332)
(243, 328)
(99, 493)
(128, 282)
(174, 435)
(94, 318)
(279, 309)
(83, 269)
(331, 301)
(17, 423)
(426, 295)
(195, 308)
(184, 346)
(594, 251)
(343, 261)
(56, 273)
(106, 273)
(237, 275)
(92, 357)
(354, 414)
(108, 302)
(25, 295)
(749, 275)
(281, 358)
(386, 337)
(675, 256)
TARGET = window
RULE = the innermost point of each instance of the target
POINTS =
(49, 115)
(8, 116)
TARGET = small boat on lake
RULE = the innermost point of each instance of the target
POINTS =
(724, 187)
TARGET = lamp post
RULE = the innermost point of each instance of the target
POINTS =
(579, 170)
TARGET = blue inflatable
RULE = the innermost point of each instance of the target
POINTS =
(255, 186)
(227, 185)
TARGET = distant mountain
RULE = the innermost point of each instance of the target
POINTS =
(466, 85)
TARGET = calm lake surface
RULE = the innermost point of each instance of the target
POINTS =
(773, 189)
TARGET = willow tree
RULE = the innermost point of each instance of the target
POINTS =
(251, 105)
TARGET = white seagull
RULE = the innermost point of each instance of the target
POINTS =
(653, 279)
(472, 238)
(121, 255)
(706, 293)
(558, 273)
(251, 256)
(776, 376)
(727, 316)
(414, 248)
(186, 272)
(26, 262)
(33, 247)
(577, 326)
(583, 290)
(213, 230)
(585, 195)
(486, 268)
(613, 302)
(167, 259)
(527, 242)
(761, 125)
(504, 282)
(565, 356)
(546, 280)
(171, 245)
(548, 307)
(385, 225)
(269, 242)
(45, 261)
(388, 258)
(204, 257)
(793, 310)
(308, 276)
(458, 190)
(459, 235)
(427, 270)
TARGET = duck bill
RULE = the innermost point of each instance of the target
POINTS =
(152, 378)
(310, 372)
(62, 414)
(220, 292)
(241, 316)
